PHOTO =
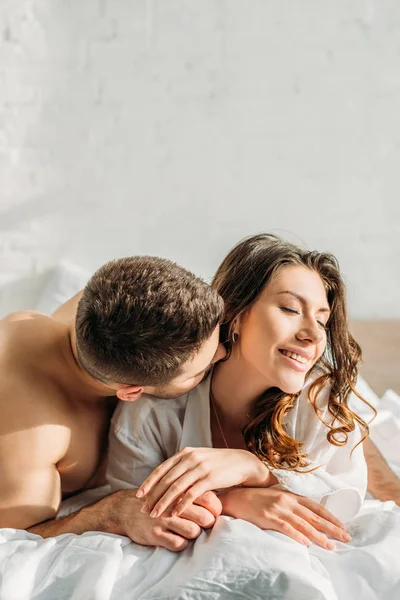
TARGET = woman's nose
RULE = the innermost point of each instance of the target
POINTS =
(311, 332)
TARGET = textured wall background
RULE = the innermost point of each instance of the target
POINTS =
(178, 127)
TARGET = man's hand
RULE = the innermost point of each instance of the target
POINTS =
(300, 518)
(121, 513)
(192, 471)
(168, 532)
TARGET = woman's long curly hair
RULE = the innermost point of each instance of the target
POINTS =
(239, 280)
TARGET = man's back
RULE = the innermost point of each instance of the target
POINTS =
(51, 433)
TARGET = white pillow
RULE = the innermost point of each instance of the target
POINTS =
(66, 280)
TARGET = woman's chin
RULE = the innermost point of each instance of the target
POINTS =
(292, 386)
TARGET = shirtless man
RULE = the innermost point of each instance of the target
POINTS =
(141, 325)
(141, 320)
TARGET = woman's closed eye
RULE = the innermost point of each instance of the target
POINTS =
(289, 310)
(296, 312)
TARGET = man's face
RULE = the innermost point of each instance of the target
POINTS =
(193, 371)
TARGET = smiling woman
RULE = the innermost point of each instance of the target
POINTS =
(275, 409)
(286, 307)
(283, 334)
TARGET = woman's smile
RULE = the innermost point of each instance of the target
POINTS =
(296, 361)
(283, 333)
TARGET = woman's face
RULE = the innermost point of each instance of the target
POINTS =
(283, 334)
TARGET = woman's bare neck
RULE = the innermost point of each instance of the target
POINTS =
(235, 388)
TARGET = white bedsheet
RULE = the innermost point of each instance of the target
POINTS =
(235, 560)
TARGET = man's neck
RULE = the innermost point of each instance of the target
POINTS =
(78, 378)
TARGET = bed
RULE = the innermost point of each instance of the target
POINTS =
(380, 344)
(235, 560)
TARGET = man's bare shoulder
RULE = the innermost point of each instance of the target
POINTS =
(34, 434)
(10, 324)
(22, 322)
(67, 311)
(20, 331)
(29, 343)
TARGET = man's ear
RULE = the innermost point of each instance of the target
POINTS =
(129, 393)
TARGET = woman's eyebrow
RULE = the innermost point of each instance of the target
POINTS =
(304, 300)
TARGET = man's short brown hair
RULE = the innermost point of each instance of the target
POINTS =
(140, 318)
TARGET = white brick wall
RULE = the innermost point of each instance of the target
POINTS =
(177, 127)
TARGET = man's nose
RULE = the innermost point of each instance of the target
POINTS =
(220, 354)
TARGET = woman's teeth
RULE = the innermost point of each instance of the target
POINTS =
(297, 357)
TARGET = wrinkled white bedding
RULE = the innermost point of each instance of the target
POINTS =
(235, 560)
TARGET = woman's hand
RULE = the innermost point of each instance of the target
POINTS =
(300, 518)
(193, 471)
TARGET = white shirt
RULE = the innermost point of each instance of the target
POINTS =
(145, 433)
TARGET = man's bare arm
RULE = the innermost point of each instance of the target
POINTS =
(382, 482)
(30, 486)
(121, 514)
(106, 515)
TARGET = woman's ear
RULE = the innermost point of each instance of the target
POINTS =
(129, 393)
(238, 323)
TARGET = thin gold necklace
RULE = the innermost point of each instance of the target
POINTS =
(216, 416)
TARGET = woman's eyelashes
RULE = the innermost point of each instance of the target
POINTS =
(297, 312)
(289, 310)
